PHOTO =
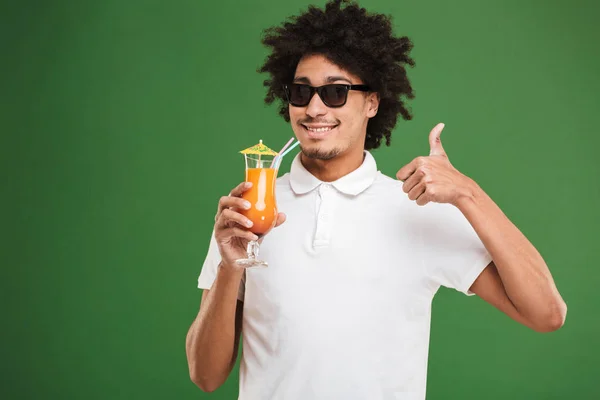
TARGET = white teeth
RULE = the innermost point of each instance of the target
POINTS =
(324, 129)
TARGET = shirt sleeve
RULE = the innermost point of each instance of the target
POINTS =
(208, 274)
(453, 254)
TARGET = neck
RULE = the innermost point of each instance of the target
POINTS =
(332, 170)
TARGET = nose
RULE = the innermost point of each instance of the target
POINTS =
(316, 107)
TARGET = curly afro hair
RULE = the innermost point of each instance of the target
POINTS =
(355, 40)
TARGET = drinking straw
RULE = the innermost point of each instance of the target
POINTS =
(286, 145)
(280, 151)
(280, 156)
(289, 149)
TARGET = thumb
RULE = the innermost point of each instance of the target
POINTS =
(435, 142)
(280, 219)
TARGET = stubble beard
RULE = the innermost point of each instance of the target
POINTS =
(318, 154)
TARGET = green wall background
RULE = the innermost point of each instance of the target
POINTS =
(120, 124)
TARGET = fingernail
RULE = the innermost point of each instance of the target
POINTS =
(254, 237)
(248, 184)
(249, 223)
(246, 204)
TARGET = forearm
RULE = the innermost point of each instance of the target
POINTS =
(524, 274)
(211, 340)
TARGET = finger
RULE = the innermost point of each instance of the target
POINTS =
(427, 196)
(423, 199)
(227, 202)
(240, 189)
(229, 233)
(417, 191)
(413, 180)
(406, 171)
(281, 217)
(229, 216)
(435, 141)
(236, 192)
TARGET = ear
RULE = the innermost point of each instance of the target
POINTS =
(372, 104)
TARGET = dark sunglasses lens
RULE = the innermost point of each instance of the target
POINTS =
(299, 94)
(335, 95)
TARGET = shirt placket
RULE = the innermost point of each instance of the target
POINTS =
(325, 207)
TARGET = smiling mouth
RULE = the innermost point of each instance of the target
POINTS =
(320, 129)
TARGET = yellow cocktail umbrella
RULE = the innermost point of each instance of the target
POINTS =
(259, 149)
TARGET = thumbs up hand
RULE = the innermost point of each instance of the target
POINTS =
(433, 178)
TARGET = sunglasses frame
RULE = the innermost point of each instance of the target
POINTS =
(319, 90)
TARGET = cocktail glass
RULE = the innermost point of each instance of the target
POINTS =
(263, 205)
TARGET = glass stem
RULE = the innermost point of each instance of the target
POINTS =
(252, 250)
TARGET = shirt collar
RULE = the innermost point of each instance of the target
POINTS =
(353, 183)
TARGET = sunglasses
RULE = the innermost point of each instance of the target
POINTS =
(334, 95)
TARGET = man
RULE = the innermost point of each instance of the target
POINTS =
(343, 310)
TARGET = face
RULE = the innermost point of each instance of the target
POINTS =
(325, 132)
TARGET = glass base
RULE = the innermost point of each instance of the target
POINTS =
(252, 260)
(251, 263)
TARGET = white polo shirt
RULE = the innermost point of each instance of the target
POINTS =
(343, 310)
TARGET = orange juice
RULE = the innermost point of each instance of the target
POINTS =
(263, 209)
